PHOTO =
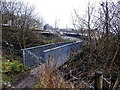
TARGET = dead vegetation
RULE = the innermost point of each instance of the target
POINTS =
(92, 58)
(48, 78)
(79, 71)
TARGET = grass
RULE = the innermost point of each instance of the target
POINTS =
(11, 70)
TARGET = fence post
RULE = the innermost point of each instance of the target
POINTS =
(98, 80)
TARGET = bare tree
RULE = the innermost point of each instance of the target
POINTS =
(21, 20)
(85, 22)
(115, 18)
(108, 19)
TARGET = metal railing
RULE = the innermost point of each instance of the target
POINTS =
(59, 51)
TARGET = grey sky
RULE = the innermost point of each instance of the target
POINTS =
(60, 10)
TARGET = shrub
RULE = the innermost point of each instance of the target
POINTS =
(15, 66)
(11, 66)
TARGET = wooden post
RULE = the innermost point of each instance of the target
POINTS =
(98, 80)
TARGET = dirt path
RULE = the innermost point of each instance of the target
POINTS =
(28, 80)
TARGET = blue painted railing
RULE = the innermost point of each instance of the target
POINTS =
(59, 53)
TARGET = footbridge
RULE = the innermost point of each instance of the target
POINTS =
(55, 53)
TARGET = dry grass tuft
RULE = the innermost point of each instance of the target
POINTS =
(48, 78)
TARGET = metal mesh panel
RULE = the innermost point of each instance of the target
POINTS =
(34, 55)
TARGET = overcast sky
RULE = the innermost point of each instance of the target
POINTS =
(60, 10)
